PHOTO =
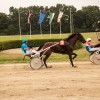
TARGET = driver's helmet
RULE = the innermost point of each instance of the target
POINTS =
(24, 40)
(88, 39)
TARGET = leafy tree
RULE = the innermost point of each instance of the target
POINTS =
(14, 20)
(4, 23)
(92, 15)
(84, 20)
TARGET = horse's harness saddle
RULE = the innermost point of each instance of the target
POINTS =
(63, 44)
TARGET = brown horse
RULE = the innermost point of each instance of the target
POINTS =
(67, 48)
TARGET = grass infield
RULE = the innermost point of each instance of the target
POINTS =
(18, 58)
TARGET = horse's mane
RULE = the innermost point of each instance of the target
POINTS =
(71, 36)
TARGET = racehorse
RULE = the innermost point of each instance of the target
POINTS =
(67, 48)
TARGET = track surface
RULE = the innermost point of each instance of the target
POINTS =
(61, 82)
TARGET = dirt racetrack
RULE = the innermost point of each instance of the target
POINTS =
(61, 82)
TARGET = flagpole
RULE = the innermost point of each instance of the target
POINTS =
(60, 24)
(70, 21)
(30, 26)
(41, 18)
(60, 28)
(41, 30)
(59, 20)
(50, 30)
(30, 30)
(19, 25)
(50, 24)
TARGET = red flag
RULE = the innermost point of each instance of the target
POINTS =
(29, 17)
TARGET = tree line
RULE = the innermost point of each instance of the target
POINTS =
(85, 20)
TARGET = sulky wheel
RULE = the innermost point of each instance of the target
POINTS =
(36, 63)
(96, 59)
(91, 57)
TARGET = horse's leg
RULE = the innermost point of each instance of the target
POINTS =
(45, 59)
(75, 55)
(71, 60)
(41, 58)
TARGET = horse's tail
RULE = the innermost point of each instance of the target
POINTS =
(40, 47)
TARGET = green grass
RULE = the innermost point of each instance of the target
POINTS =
(83, 55)
(18, 58)
(44, 36)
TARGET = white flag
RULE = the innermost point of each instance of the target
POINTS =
(51, 16)
(60, 16)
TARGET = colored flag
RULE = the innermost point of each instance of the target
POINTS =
(41, 17)
(51, 16)
(60, 16)
(30, 14)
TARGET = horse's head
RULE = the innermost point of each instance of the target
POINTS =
(73, 38)
(81, 38)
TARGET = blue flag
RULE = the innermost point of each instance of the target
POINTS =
(41, 17)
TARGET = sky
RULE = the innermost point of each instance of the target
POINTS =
(6, 4)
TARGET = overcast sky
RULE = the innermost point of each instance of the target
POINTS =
(6, 4)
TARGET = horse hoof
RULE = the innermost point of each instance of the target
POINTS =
(49, 67)
(75, 66)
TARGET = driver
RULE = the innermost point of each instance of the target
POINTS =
(92, 47)
(25, 49)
